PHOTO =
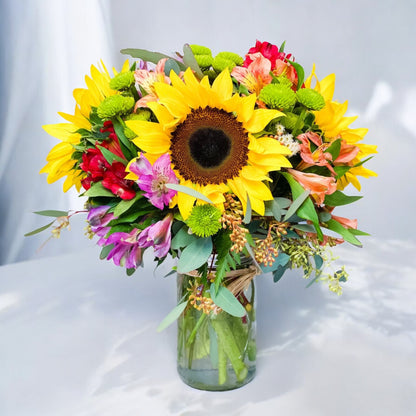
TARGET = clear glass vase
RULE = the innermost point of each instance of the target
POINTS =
(216, 351)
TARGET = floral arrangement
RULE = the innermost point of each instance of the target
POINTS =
(209, 159)
(199, 155)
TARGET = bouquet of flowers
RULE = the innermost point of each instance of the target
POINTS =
(232, 165)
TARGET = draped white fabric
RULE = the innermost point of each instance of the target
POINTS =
(47, 47)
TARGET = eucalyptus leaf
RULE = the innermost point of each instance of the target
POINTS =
(188, 191)
(227, 301)
(324, 216)
(190, 61)
(148, 56)
(39, 230)
(279, 272)
(319, 261)
(307, 210)
(182, 239)
(172, 65)
(52, 213)
(172, 316)
(281, 260)
(106, 251)
(247, 217)
(195, 255)
(296, 204)
(307, 228)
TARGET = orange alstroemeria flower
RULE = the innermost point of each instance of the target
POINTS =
(256, 75)
(317, 184)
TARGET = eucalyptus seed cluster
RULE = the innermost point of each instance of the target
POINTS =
(61, 223)
(232, 218)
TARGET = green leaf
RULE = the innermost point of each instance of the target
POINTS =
(338, 198)
(357, 232)
(172, 316)
(195, 255)
(324, 216)
(127, 147)
(190, 61)
(52, 213)
(319, 261)
(296, 204)
(124, 205)
(247, 217)
(227, 301)
(39, 230)
(172, 65)
(106, 251)
(307, 209)
(279, 272)
(110, 157)
(282, 47)
(345, 233)
(334, 149)
(98, 190)
(341, 170)
(188, 191)
(130, 272)
(281, 260)
(307, 228)
(300, 71)
(272, 208)
(182, 239)
(148, 56)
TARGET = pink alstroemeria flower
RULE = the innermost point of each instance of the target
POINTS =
(317, 184)
(256, 75)
(127, 250)
(145, 79)
(98, 218)
(158, 236)
(153, 179)
(320, 157)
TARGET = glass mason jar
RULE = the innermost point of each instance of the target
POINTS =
(217, 351)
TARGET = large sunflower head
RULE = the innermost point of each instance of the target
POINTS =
(60, 162)
(214, 138)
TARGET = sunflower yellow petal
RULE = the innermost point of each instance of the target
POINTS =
(260, 119)
(223, 85)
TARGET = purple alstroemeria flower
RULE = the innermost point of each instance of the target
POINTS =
(98, 218)
(158, 236)
(153, 179)
(127, 250)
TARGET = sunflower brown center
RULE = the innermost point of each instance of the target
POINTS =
(209, 147)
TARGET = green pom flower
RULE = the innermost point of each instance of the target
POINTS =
(289, 121)
(310, 99)
(141, 114)
(284, 80)
(278, 96)
(226, 60)
(204, 220)
(122, 81)
(200, 50)
(115, 105)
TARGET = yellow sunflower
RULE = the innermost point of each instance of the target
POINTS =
(332, 122)
(59, 159)
(209, 134)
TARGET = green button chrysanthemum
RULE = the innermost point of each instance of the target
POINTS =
(289, 121)
(141, 114)
(204, 220)
(115, 105)
(311, 99)
(226, 60)
(122, 81)
(278, 96)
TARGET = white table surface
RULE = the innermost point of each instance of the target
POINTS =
(78, 338)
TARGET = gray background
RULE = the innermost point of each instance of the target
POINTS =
(47, 47)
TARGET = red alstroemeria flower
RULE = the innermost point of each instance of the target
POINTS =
(98, 169)
(269, 51)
